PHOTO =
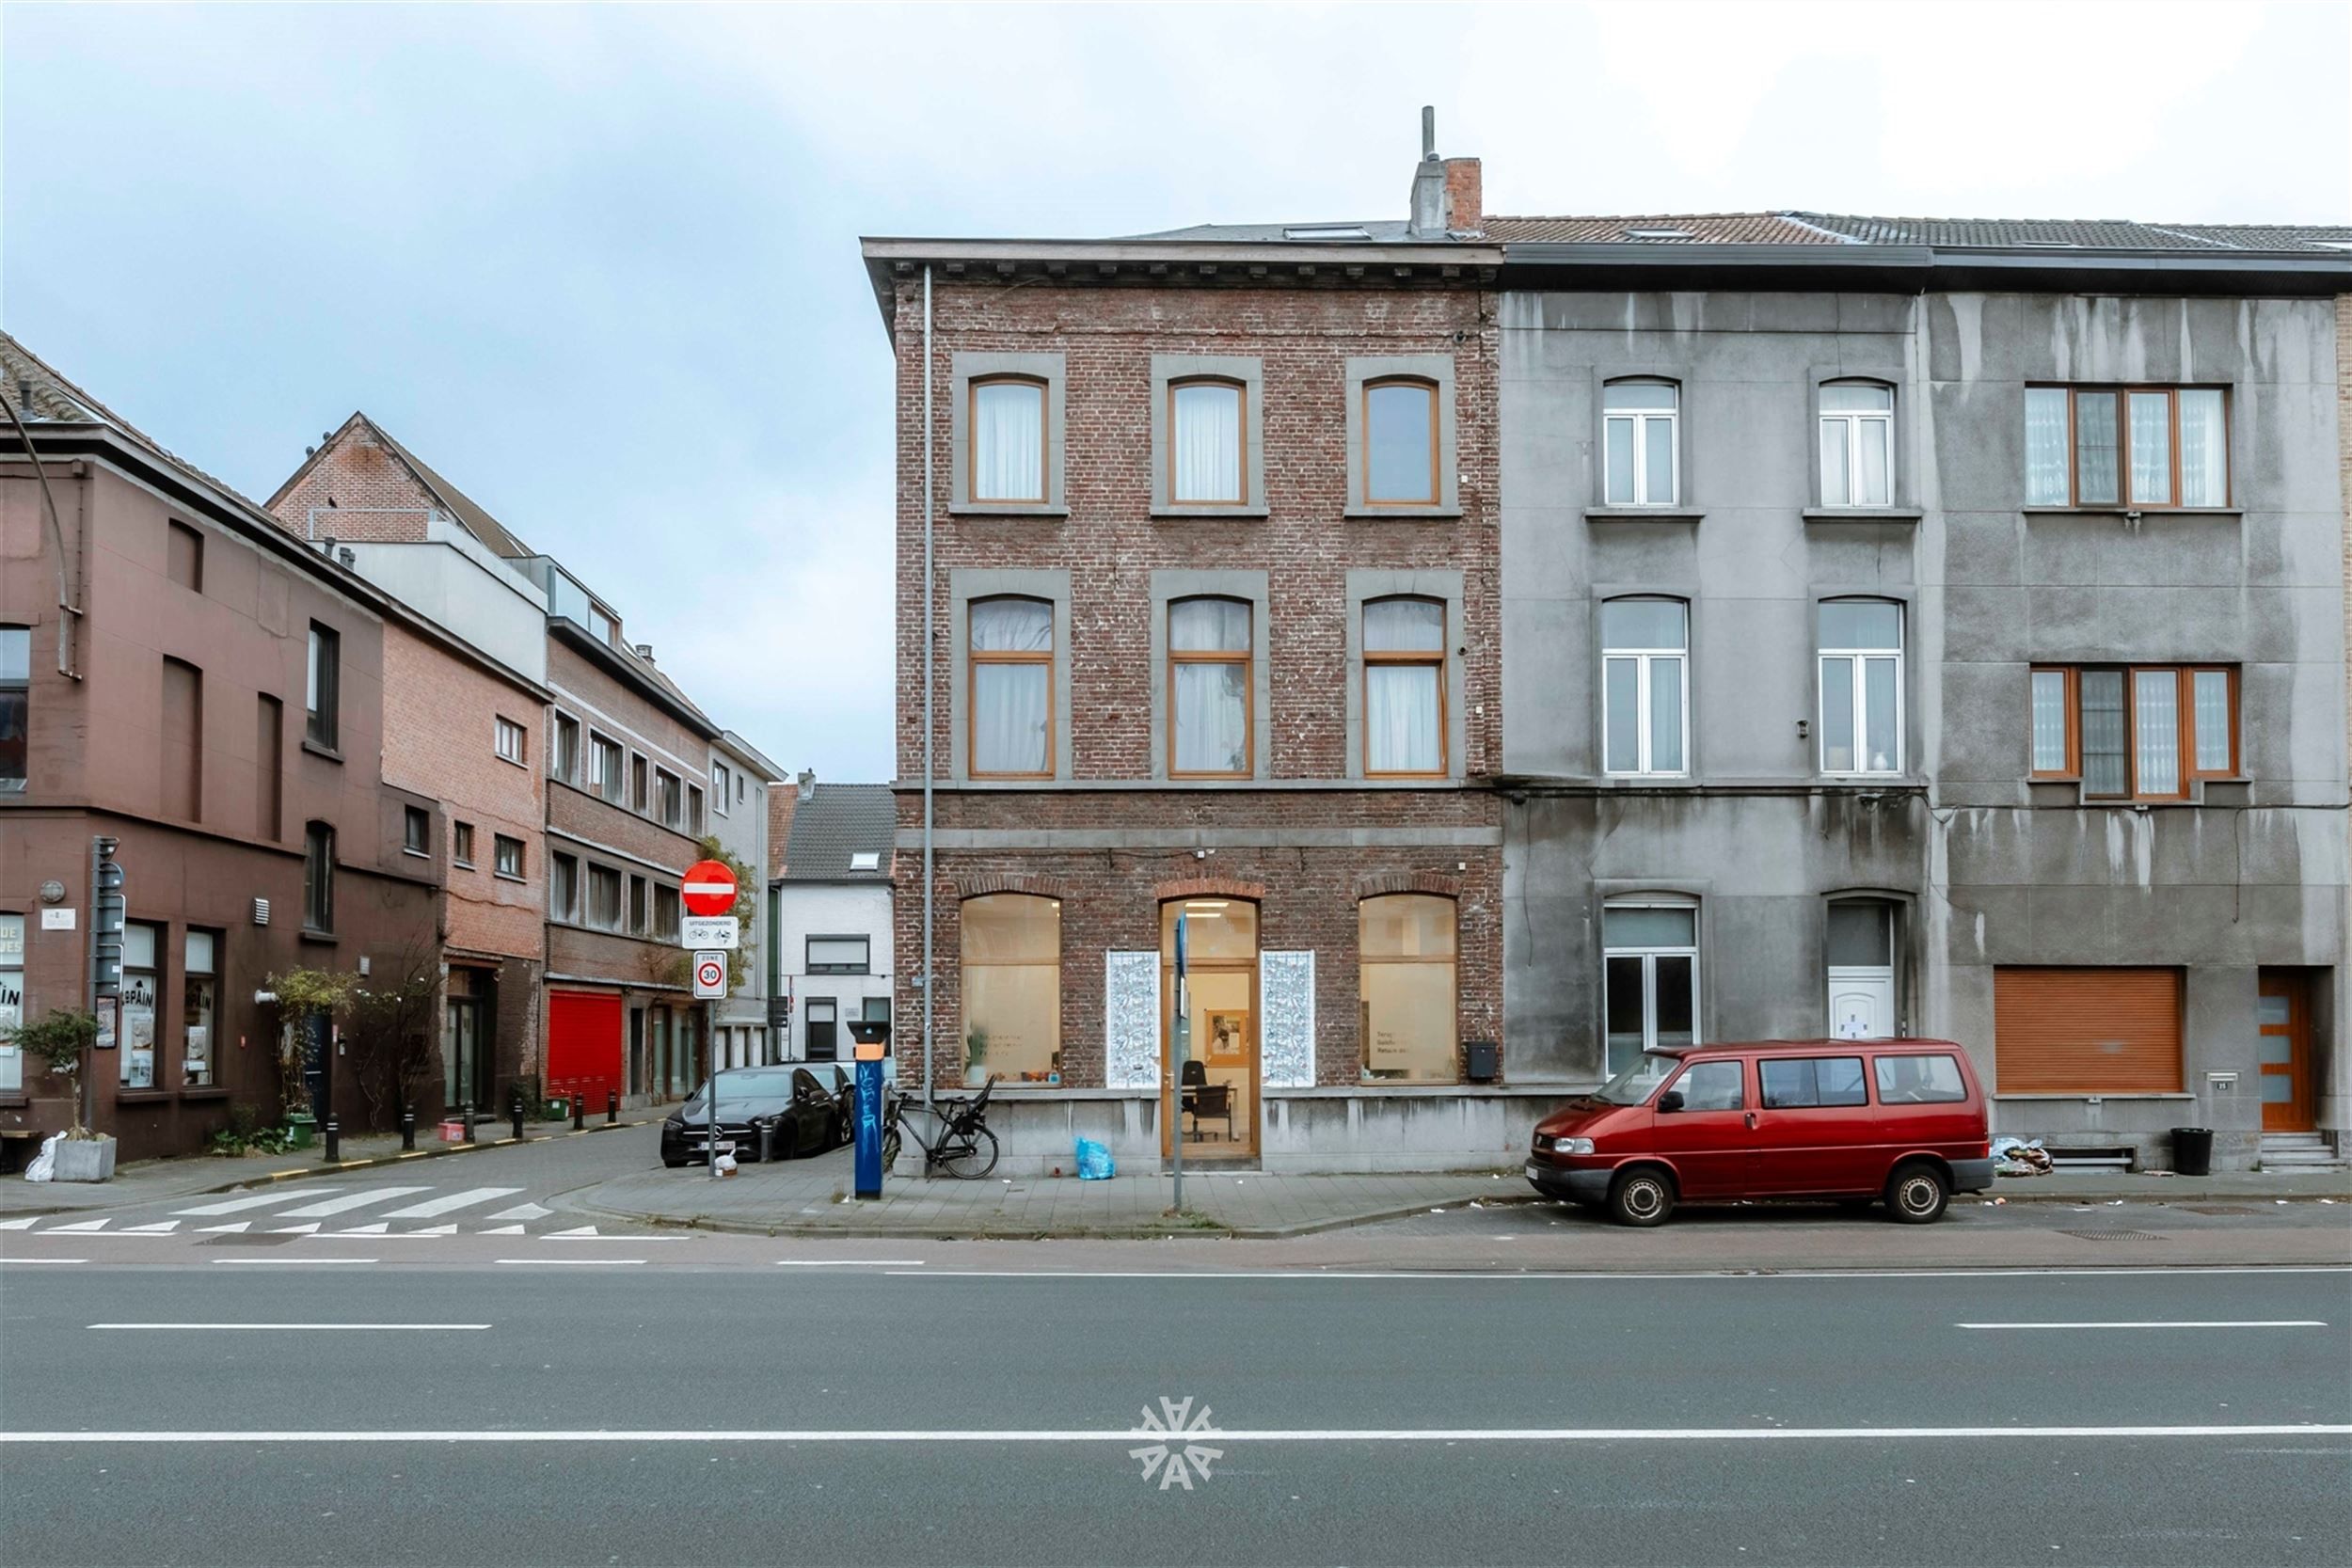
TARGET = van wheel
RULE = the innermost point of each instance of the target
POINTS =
(1641, 1197)
(1916, 1193)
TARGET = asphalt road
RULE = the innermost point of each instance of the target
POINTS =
(692, 1413)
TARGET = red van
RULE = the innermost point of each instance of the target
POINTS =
(1858, 1120)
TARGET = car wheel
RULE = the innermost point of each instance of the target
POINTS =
(1641, 1197)
(1916, 1193)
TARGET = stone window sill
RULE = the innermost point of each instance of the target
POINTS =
(506, 875)
(1225, 514)
(143, 1096)
(1025, 509)
(325, 939)
(1862, 513)
(329, 753)
(1402, 513)
(2119, 510)
(203, 1092)
(1642, 515)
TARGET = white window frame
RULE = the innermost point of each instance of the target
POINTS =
(1645, 740)
(1858, 674)
(1854, 420)
(1649, 957)
(502, 728)
(719, 796)
(1640, 420)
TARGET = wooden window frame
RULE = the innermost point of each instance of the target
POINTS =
(1044, 438)
(1437, 477)
(2185, 676)
(1245, 658)
(1434, 657)
(1241, 451)
(975, 657)
(2122, 392)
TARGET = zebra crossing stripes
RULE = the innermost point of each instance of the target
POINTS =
(433, 1207)
(261, 1200)
(360, 1199)
(323, 1213)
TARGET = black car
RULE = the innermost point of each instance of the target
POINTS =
(800, 1115)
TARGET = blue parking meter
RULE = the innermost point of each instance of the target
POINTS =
(872, 1040)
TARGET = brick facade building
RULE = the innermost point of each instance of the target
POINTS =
(1215, 601)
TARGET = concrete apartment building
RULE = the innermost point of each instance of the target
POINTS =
(621, 759)
(1865, 627)
(834, 917)
(1210, 629)
(216, 701)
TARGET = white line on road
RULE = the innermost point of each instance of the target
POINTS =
(360, 1199)
(2266, 1323)
(433, 1207)
(20, 1262)
(295, 1262)
(235, 1205)
(848, 1263)
(414, 1328)
(1446, 1277)
(574, 1263)
(1087, 1435)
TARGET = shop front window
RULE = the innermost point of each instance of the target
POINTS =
(199, 992)
(11, 1000)
(1012, 987)
(1406, 988)
(141, 945)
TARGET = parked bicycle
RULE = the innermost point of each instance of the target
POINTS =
(962, 1145)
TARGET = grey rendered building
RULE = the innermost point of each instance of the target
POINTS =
(740, 777)
(1933, 628)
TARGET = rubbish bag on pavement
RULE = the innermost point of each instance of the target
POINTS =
(45, 1162)
(1094, 1161)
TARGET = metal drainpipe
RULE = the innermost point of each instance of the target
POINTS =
(68, 612)
(928, 593)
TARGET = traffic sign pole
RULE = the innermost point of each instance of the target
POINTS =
(1177, 1053)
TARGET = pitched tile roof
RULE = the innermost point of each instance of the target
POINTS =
(837, 822)
(1685, 228)
(2077, 233)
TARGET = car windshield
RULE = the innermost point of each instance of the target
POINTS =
(1637, 1082)
(736, 1088)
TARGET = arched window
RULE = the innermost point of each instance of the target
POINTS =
(1641, 442)
(1012, 970)
(1010, 703)
(1406, 988)
(1857, 443)
(1007, 439)
(1209, 689)
(1400, 454)
(1405, 723)
(1645, 686)
(1861, 643)
(1207, 460)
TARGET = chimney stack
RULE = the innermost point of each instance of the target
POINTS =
(808, 782)
(1427, 214)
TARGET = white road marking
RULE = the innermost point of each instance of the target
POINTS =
(848, 1263)
(360, 1199)
(237, 1205)
(295, 1262)
(1444, 1276)
(162, 1227)
(25, 1224)
(580, 1262)
(503, 1230)
(435, 1230)
(379, 1329)
(235, 1228)
(578, 1233)
(82, 1227)
(523, 1211)
(1276, 1434)
(433, 1207)
(20, 1262)
(2266, 1323)
(592, 1236)
(296, 1229)
(379, 1228)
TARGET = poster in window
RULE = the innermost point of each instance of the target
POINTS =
(1228, 1036)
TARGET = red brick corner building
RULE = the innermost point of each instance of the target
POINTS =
(1212, 536)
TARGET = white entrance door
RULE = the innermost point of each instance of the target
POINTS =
(1862, 1003)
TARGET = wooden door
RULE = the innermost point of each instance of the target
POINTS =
(2283, 1018)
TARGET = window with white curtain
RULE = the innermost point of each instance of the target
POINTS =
(2135, 733)
(1649, 978)
(1640, 442)
(1012, 698)
(1401, 443)
(1861, 643)
(1206, 462)
(2136, 446)
(1857, 444)
(1007, 439)
(1209, 689)
(1644, 686)
(1403, 685)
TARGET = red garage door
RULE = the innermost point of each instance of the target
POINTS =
(584, 1045)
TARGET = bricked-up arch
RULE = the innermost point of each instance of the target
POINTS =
(981, 885)
(1209, 887)
(1379, 883)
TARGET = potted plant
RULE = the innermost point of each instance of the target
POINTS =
(58, 1041)
(976, 1059)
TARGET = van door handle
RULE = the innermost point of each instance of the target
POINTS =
(1750, 1121)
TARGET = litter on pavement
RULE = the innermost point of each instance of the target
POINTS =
(2017, 1157)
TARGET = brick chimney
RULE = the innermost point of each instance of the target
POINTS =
(1446, 195)
(1465, 204)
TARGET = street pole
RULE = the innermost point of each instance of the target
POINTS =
(1178, 1051)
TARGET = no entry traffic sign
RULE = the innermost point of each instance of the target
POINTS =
(710, 888)
(711, 976)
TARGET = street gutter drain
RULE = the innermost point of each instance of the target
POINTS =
(2116, 1235)
(2219, 1209)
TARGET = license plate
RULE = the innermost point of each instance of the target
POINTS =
(1533, 1171)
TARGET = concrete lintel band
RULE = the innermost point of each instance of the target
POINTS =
(1045, 839)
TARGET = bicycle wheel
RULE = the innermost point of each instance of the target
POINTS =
(975, 1160)
(890, 1149)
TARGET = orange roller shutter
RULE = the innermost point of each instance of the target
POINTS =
(2087, 1031)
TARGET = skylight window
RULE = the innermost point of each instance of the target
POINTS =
(1328, 231)
(1658, 233)
(2047, 245)
(865, 859)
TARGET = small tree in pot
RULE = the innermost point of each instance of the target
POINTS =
(58, 1041)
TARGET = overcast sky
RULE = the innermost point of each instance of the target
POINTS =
(600, 266)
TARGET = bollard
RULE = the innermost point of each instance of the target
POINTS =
(407, 1128)
(767, 1141)
(334, 1140)
(612, 1107)
(469, 1121)
(515, 1109)
(580, 1110)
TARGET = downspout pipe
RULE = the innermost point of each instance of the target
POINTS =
(66, 612)
(929, 654)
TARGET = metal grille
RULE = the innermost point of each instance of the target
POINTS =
(2116, 1235)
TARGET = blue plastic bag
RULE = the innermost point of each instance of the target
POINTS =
(1094, 1162)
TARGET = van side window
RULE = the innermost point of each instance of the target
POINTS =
(1712, 1086)
(1920, 1080)
(1794, 1081)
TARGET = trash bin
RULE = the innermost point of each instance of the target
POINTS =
(301, 1130)
(2192, 1151)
